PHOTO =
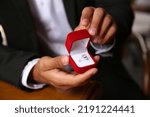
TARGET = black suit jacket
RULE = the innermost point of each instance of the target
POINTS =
(17, 21)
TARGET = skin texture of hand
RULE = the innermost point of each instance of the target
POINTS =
(99, 24)
(50, 71)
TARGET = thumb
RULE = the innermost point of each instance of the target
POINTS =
(56, 62)
(80, 27)
(60, 61)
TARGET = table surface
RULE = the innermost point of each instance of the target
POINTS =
(89, 91)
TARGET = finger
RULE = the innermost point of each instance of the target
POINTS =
(48, 63)
(97, 58)
(60, 78)
(106, 23)
(96, 39)
(82, 78)
(85, 19)
(80, 27)
(86, 16)
(110, 34)
(96, 22)
(105, 26)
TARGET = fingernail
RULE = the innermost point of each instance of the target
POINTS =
(95, 41)
(84, 22)
(95, 71)
(92, 31)
(65, 60)
(100, 41)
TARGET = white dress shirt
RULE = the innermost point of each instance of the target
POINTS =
(52, 28)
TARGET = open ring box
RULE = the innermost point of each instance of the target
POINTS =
(79, 57)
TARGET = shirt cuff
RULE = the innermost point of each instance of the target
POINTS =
(104, 50)
(25, 75)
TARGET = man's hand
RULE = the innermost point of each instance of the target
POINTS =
(99, 24)
(50, 71)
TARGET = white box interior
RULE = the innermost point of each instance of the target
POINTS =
(79, 53)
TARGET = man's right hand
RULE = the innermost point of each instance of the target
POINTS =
(50, 71)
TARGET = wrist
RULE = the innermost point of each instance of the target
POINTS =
(28, 70)
(33, 76)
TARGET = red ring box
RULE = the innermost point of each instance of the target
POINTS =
(79, 57)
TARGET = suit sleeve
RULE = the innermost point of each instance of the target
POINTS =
(20, 47)
(12, 63)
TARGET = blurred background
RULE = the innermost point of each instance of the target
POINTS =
(136, 52)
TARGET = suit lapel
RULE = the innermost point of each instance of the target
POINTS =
(25, 16)
(70, 8)
(24, 13)
(74, 9)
